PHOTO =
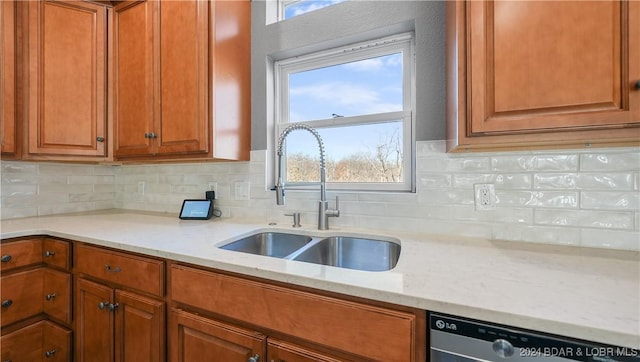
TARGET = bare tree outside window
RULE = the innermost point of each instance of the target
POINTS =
(382, 163)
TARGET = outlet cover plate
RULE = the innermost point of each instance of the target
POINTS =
(485, 197)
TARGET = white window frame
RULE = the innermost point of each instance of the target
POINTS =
(404, 43)
(282, 5)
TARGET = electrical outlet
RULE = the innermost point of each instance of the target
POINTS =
(141, 187)
(242, 190)
(213, 186)
(485, 196)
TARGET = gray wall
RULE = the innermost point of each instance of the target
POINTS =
(343, 24)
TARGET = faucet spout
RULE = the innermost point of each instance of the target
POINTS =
(324, 211)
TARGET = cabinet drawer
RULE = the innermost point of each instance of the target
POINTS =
(21, 295)
(339, 324)
(41, 341)
(144, 274)
(56, 253)
(56, 294)
(20, 253)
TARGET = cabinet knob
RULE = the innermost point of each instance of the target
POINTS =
(106, 305)
(50, 296)
(7, 303)
(150, 135)
(6, 258)
(49, 254)
(637, 85)
(100, 139)
(50, 353)
(255, 358)
(110, 269)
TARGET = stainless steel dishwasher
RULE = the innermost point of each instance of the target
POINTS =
(454, 339)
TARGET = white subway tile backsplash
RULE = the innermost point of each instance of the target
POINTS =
(585, 218)
(611, 161)
(501, 180)
(611, 200)
(18, 190)
(594, 181)
(543, 162)
(597, 238)
(586, 197)
(540, 234)
(560, 199)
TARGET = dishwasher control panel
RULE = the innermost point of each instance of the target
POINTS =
(471, 340)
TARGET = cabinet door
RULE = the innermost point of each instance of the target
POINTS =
(183, 119)
(25, 344)
(94, 333)
(7, 78)
(56, 343)
(67, 78)
(133, 77)
(543, 73)
(56, 253)
(552, 65)
(197, 339)
(56, 294)
(21, 253)
(41, 341)
(21, 295)
(139, 328)
(280, 351)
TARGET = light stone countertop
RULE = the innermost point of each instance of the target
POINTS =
(590, 294)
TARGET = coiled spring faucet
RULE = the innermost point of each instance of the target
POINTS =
(324, 212)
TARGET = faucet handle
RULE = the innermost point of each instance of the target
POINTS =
(296, 219)
(334, 212)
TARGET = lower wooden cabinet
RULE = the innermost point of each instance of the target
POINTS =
(41, 341)
(281, 351)
(35, 289)
(195, 338)
(327, 325)
(117, 325)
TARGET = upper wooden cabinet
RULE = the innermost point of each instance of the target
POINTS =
(542, 74)
(66, 70)
(8, 145)
(182, 79)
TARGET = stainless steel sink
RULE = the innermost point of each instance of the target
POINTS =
(352, 253)
(269, 243)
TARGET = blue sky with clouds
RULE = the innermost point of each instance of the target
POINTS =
(364, 87)
(306, 6)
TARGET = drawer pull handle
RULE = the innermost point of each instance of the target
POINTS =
(6, 258)
(255, 358)
(49, 253)
(50, 296)
(50, 354)
(7, 303)
(112, 270)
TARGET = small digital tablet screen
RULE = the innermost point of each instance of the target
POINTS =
(196, 210)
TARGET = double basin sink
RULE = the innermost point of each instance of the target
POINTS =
(351, 252)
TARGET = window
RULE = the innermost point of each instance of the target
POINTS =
(360, 99)
(289, 8)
